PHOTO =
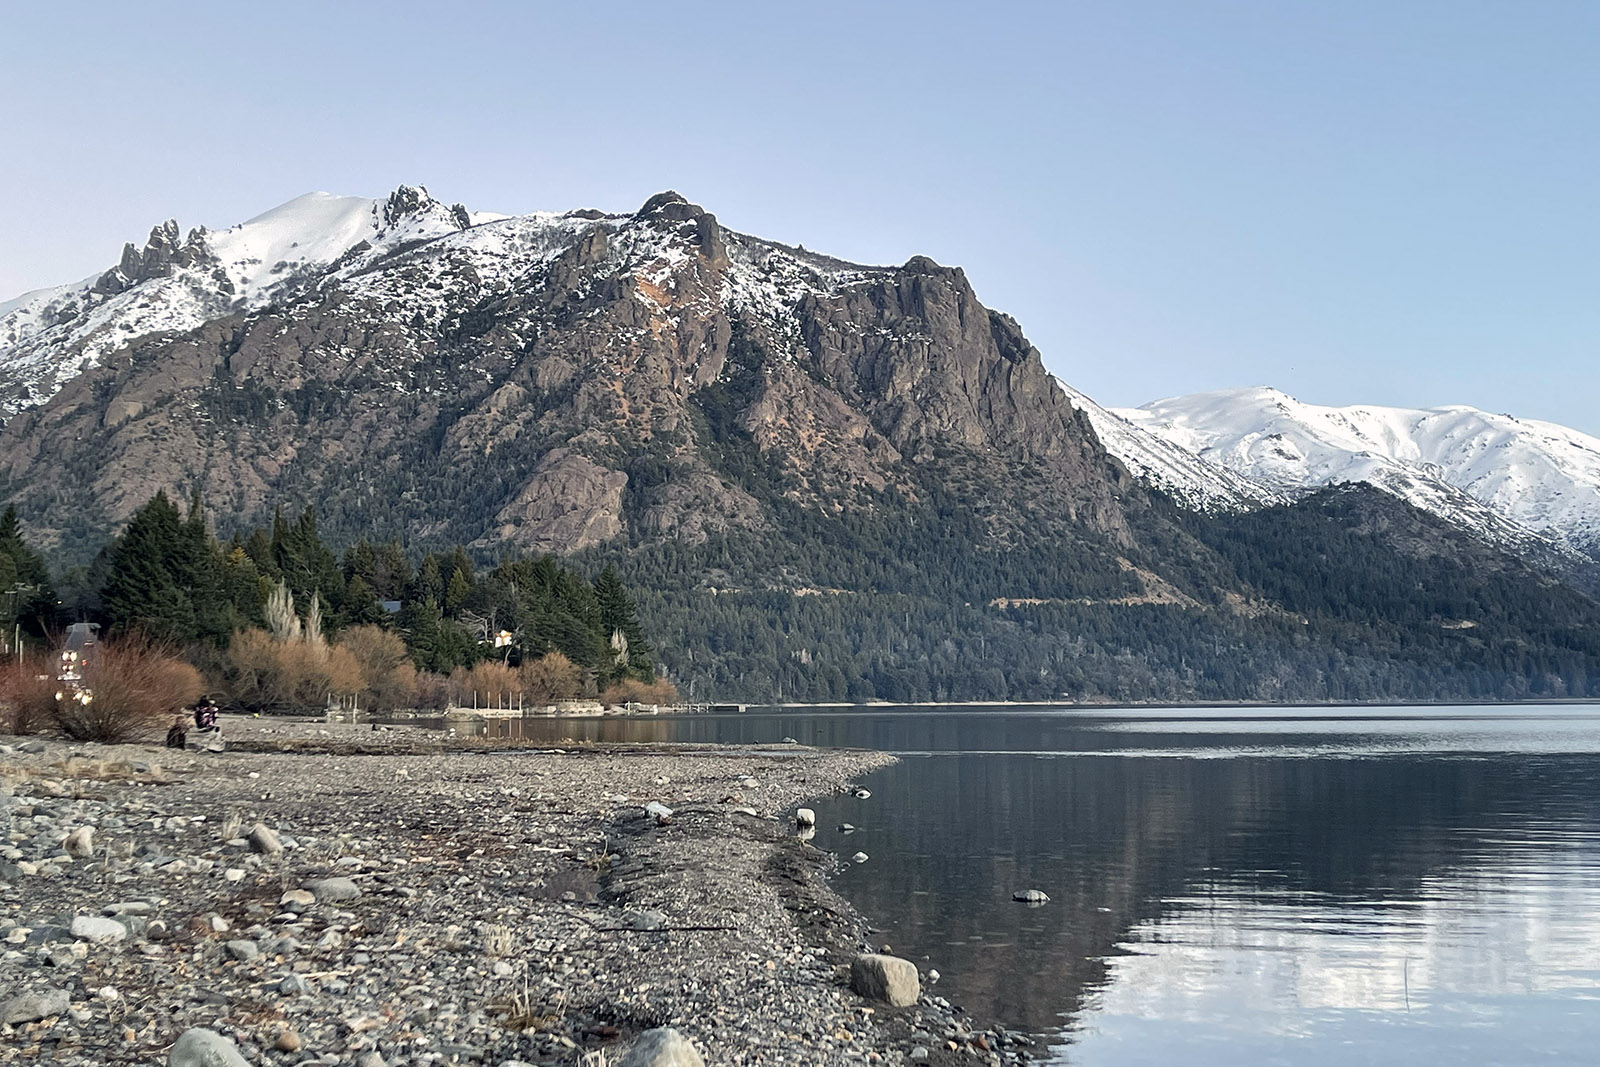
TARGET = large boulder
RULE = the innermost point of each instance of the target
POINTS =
(31, 1007)
(264, 839)
(205, 1048)
(80, 843)
(886, 979)
(661, 1047)
(98, 930)
(330, 889)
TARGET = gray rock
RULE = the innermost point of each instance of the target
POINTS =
(293, 985)
(128, 907)
(370, 1059)
(34, 747)
(80, 843)
(859, 857)
(805, 817)
(918, 1054)
(661, 1047)
(263, 838)
(297, 900)
(243, 950)
(31, 1007)
(98, 930)
(1030, 896)
(205, 1048)
(887, 979)
(326, 889)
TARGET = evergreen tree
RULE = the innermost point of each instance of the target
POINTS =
(143, 588)
(619, 624)
(26, 591)
(361, 605)
(391, 574)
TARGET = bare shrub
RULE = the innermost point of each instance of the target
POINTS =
(550, 678)
(133, 688)
(633, 691)
(28, 693)
(263, 673)
(390, 679)
(487, 684)
(432, 691)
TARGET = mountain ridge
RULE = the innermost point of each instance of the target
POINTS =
(827, 480)
(1527, 485)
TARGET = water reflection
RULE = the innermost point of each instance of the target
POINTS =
(1233, 886)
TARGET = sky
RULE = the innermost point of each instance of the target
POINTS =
(1356, 202)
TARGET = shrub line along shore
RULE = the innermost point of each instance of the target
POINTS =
(340, 895)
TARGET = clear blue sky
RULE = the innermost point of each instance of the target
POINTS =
(1387, 202)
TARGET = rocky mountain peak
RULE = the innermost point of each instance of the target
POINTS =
(405, 201)
(596, 367)
(163, 253)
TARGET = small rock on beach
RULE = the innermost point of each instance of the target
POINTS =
(205, 1048)
(661, 1047)
(887, 979)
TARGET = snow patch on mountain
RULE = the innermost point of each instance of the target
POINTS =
(1494, 473)
(1173, 468)
(50, 336)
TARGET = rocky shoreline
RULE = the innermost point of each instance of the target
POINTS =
(339, 895)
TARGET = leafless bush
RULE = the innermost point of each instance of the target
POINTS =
(550, 678)
(130, 689)
(633, 691)
(391, 680)
(262, 672)
(28, 693)
(487, 684)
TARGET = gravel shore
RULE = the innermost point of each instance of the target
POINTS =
(340, 895)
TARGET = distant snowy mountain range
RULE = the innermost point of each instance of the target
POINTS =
(1530, 486)
(1523, 484)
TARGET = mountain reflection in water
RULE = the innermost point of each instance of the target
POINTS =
(1235, 886)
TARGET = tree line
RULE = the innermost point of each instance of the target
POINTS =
(274, 617)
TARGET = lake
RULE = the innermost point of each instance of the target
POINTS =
(1228, 886)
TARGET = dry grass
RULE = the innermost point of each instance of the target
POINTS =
(498, 940)
(519, 1011)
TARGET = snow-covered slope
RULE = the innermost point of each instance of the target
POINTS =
(176, 283)
(1192, 481)
(1494, 473)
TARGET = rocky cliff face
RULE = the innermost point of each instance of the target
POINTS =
(548, 382)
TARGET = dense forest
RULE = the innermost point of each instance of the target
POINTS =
(276, 619)
(1349, 596)
(1321, 601)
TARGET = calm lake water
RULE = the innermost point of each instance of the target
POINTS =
(1238, 886)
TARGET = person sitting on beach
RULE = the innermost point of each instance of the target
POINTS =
(205, 714)
(177, 735)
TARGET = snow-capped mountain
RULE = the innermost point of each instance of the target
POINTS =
(549, 380)
(1504, 477)
(176, 283)
(1172, 468)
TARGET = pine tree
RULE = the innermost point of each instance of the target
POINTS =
(142, 589)
(361, 605)
(619, 622)
(26, 590)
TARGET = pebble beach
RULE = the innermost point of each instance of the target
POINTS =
(348, 895)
